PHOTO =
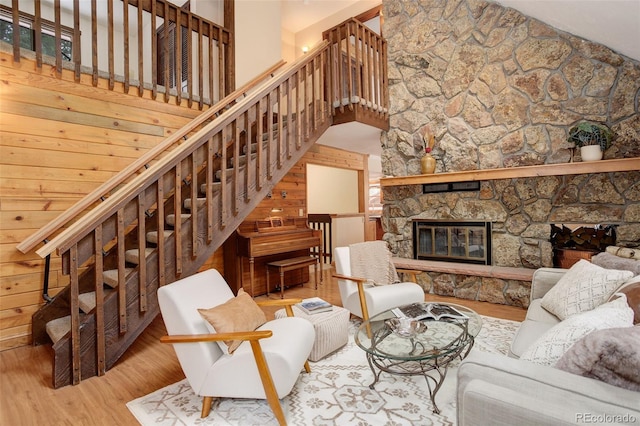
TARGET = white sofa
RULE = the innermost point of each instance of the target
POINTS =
(499, 390)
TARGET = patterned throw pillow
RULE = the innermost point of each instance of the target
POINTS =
(553, 344)
(582, 288)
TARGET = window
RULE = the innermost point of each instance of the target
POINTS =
(27, 34)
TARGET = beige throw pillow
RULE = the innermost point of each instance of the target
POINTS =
(238, 314)
(584, 287)
(553, 344)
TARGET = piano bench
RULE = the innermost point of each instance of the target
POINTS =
(285, 265)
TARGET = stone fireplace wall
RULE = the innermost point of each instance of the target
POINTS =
(499, 89)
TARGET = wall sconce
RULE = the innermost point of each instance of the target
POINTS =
(305, 49)
(283, 194)
(269, 194)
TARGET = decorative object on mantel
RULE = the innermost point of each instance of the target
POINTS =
(427, 162)
(592, 138)
(571, 245)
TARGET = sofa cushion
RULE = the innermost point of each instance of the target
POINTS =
(611, 356)
(582, 288)
(535, 312)
(631, 289)
(528, 332)
(550, 347)
(240, 313)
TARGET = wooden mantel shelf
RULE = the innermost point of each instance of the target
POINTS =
(602, 166)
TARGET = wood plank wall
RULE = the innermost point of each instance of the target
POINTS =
(59, 141)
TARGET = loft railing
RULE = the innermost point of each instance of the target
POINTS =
(152, 44)
(358, 62)
(153, 155)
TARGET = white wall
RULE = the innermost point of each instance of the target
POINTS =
(258, 37)
(331, 190)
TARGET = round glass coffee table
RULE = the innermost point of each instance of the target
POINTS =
(426, 349)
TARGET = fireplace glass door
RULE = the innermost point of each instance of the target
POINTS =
(454, 241)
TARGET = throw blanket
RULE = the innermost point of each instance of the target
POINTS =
(372, 260)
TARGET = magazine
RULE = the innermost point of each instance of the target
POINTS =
(314, 305)
(435, 311)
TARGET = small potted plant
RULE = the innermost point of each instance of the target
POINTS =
(592, 139)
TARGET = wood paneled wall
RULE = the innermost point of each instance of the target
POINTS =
(59, 141)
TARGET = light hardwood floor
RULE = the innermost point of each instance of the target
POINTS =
(27, 398)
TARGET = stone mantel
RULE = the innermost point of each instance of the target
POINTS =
(602, 166)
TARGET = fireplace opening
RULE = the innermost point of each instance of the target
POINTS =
(452, 241)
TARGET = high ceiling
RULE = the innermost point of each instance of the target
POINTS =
(613, 23)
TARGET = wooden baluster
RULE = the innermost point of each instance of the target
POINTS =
(259, 132)
(94, 43)
(15, 16)
(177, 208)
(314, 95)
(99, 311)
(142, 252)
(376, 72)
(349, 75)
(384, 82)
(110, 44)
(290, 114)
(298, 110)
(358, 59)
(222, 77)
(223, 177)
(37, 32)
(154, 52)
(189, 59)
(125, 19)
(209, 194)
(122, 277)
(194, 206)
(236, 167)
(269, 134)
(77, 48)
(247, 165)
(201, 68)
(140, 50)
(165, 59)
(307, 109)
(162, 280)
(280, 140)
(74, 307)
(212, 98)
(57, 31)
(178, 57)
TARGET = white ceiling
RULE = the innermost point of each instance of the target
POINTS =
(613, 23)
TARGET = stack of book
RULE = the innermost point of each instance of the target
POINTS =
(314, 305)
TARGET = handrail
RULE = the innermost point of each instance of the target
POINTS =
(127, 192)
(53, 226)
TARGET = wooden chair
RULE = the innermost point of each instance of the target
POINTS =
(267, 363)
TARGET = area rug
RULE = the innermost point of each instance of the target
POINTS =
(336, 392)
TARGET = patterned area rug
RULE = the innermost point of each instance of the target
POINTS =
(335, 393)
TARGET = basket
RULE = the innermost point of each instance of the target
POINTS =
(565, 258)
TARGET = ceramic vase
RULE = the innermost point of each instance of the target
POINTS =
(428, 164)
(591, 153)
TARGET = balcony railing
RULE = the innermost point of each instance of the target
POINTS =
(153, 45)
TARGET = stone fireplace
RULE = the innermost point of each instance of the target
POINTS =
(498, 89)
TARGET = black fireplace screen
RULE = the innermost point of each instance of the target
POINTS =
(452, 241)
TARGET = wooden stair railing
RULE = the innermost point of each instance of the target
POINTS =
(236, 158)
(140, 164)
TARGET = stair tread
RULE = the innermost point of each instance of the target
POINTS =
(87, 301)
(110, 277)
(152, 236)
(171, 218)
(199, 202)
(133, 255)
(58, 328)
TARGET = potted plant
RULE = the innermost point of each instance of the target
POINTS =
(592, 139)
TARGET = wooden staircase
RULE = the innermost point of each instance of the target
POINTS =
(166, 220)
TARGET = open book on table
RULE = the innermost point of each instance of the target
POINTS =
(436, 311)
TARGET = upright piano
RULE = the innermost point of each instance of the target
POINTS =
(258, 242)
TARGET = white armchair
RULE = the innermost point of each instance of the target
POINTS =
(267, 363)
(366, 300)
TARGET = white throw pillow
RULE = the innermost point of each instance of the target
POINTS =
(582, 288)
(550, 347)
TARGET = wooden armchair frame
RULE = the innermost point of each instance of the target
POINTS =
(254, 339)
